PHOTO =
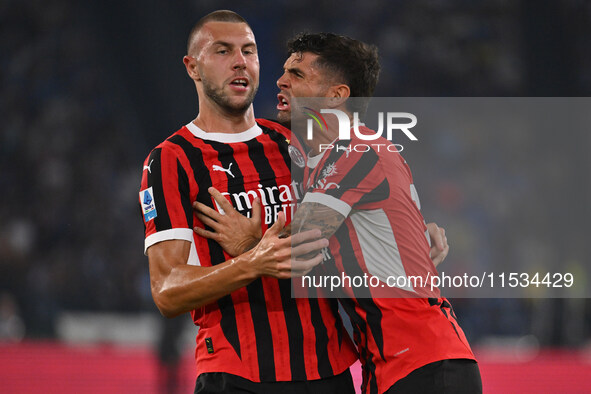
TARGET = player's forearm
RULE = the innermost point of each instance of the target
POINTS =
(189, 287)
(311, 215)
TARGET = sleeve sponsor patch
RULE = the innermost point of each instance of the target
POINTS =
(148, 207)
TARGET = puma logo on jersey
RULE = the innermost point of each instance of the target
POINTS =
(148, 166)
(226, 170)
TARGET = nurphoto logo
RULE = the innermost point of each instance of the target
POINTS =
(392, 123)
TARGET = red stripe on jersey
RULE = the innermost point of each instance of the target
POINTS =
(279, 328)
(246, 333)
(334, 345)
(311, 362)
(170, 165)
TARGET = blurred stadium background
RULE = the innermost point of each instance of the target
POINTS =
(88, 88)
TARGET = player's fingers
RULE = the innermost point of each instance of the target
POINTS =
(435, 235)
(207, 221)
(308, 247)
(440, 255)
(205, 233)
(256, 210)
(301, 267)
(443, 237)
(221, 200)
(305, 236)
(205, 210)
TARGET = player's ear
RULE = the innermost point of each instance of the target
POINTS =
(191, 66)
(338, 94)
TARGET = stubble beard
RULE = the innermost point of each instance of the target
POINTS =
(218, 96)
(284, 119)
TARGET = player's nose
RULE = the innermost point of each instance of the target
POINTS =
(239, 60)
(282, 82)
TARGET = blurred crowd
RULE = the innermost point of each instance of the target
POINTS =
(70, 157)
(88, 89)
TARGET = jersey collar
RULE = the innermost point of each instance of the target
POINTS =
(243, 136)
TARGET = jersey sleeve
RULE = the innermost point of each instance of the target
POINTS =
(164, 198)
(347, 179)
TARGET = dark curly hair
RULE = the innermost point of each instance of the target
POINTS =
(350, 61)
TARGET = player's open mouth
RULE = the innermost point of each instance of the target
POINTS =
(283, 104)
(239, 83)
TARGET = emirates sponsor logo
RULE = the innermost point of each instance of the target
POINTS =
(274, 199)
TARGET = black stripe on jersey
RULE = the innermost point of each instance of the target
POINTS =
(442, 305)
(324, 366)
(162, 220)
(279, 139)
(380, 193)
(203, 179)
(374, 321)
(295, 334)
(338, 322)
(360, 328)
(363, 295)
(184, 190)
(255, 290)
(446, 304)
(290, 310)
(226, 157)
(373, 379)
(357, 173)
(262, 327)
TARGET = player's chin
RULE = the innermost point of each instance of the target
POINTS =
(240, 104)
(284, 117)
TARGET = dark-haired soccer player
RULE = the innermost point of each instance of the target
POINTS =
(408, 344)
(412, 342)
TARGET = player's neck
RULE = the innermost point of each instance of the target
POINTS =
(211, 119)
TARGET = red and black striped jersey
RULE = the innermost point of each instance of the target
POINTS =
(258, 332)
(400, 324)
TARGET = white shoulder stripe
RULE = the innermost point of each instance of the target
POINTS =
(166, 235)
(332, 202)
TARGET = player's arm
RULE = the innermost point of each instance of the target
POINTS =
(238, 234)
(178, 287)
(313, 215)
